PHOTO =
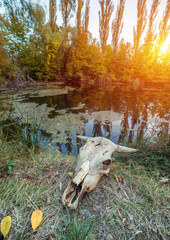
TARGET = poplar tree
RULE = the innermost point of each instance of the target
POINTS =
(117, 25)
(79, 16)
(164, 29)
(66, 8)
(104, 19)
(149, 41)
(150, 35)
(52, 13)
(86, 17)
(141, 23)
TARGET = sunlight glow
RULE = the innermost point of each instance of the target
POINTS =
(165, 47)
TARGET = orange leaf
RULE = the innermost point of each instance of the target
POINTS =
(36, 219)
(119, 213)
(116, 178)
(48, 169)
(95, 209)
(125, 224)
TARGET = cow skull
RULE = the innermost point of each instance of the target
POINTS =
(94, 161)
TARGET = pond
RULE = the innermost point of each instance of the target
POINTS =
(123, 113)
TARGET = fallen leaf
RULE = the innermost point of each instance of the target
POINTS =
(116, 178)
(6, 225)
(36, 219)
(70, 174)
(125, 224)
(95, 209)
(119, 213)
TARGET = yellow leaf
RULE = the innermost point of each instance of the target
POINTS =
(70, 174)
(6, 225)
(36, 219)
(116, 178)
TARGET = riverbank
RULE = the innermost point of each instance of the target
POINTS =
(132, 203)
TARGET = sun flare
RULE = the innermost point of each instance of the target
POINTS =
(165, 46)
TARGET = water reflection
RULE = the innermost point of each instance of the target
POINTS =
(120, 113)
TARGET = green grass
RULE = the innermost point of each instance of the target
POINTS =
(140, 199)
(77, 229)
(154, 157)
(134, 208)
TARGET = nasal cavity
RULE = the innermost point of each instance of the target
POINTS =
(107, 162)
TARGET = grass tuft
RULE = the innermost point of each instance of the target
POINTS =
(77, 228)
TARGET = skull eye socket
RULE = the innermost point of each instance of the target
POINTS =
(107, 162)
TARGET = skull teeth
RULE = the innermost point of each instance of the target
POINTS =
(72, 195)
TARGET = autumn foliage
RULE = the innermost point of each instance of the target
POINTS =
(34, 42)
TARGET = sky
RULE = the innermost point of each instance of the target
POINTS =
(130, 17)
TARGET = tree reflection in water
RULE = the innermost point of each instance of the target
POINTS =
(120, 112)
(144, 112)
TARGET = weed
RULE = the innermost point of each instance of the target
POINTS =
(142, 202)
(9, 165)
(27, 134)
(154, 157)
(77, 229)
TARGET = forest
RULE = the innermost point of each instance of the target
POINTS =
(32, 40)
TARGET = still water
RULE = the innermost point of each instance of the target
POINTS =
(123, 113)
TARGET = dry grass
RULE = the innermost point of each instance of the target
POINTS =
(136, 207)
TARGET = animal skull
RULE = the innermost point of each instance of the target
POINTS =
(94, 161)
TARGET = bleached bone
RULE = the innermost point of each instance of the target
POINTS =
(94, 160)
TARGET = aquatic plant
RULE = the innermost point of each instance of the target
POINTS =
(24, 133)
